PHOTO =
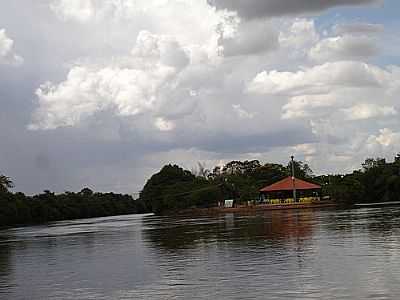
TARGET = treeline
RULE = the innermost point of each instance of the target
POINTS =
(174, 188)
(18, 209)
(376, 181)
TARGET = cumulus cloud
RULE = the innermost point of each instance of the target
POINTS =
(82, 11)
(173, 18)
(154, 81)
(251, 38)
(308, 151)
(385, 141)
(362, 111)
(344, 47)
(299, 37)
(350, 41)
(262, 8)
(305, 105)
(7, 54)
(163, 49)
(126, 90)
(85, 92)
(241, 112)
(317, 79)
(330, 98)
(325, 90)
(163, 124)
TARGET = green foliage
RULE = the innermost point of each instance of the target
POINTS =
(21, 209)
(174, 188)
(377, 181)
(206, 197)
(301, 170)
(5, 183)
(344, 189)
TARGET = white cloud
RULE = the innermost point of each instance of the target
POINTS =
(253, 37)
(308, 151)
(85, 92)
(157, 71)
(348, 41)
(304, 105)
(164, 49)
(163, 124)
(329, 98)
(343, 88)
(385, 141)
(126, 90)
(299, 36)
(242, 113)
(82, 10)
(193, 23)
(7, 54)
(363, 111)
(181, 88)
(317, 79)
(344, 47)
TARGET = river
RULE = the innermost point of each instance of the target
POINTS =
(288, 254)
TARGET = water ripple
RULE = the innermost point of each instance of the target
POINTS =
(303, 254)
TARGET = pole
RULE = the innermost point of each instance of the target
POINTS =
(293, 180)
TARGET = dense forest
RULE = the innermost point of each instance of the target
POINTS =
(377, 181)
(18, 209)
(174, 188)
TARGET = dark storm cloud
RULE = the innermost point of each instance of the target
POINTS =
(266, 8)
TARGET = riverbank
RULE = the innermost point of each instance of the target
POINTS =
(377, 204)
(17, 209)
(250, 208)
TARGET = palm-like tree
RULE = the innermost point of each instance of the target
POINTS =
(5, 183)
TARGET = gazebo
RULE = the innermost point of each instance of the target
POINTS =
(291, 190)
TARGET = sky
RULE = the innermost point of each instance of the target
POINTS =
(103, 93)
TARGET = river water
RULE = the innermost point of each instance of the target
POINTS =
(288, 254)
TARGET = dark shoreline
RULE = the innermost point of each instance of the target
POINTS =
(248, 209)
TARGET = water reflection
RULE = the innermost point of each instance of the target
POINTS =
(68, 259)
(276, 228)
(372, 221)
(297, 254)
(5, 266)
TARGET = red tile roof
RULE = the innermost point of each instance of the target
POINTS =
(287, 184)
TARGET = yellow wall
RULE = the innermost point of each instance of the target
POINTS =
(290, 200)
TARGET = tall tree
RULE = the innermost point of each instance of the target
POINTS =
(301, 169)
(5, 183)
